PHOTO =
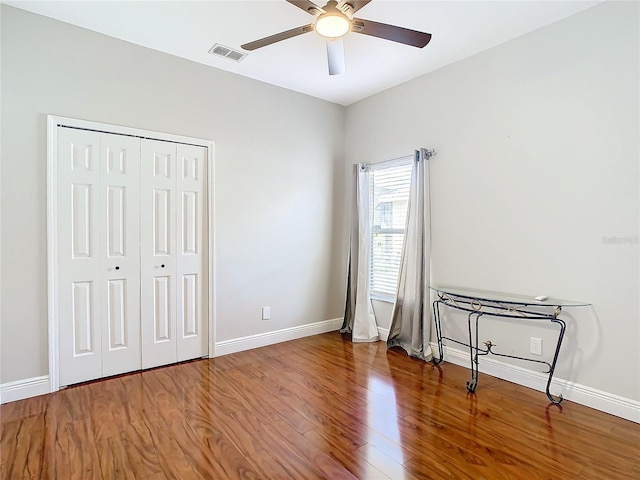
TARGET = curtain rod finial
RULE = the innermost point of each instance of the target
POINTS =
(428, 153)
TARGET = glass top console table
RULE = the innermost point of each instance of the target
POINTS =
(479, 303)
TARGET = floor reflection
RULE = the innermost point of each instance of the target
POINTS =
(384, 443)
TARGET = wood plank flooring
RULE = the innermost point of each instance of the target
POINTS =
(318, 407)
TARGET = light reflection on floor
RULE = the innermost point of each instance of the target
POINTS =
(384, 450)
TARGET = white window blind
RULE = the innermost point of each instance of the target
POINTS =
(389, 190)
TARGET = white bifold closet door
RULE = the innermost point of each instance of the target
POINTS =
(131, 254)
(173, 253)
(98, 254)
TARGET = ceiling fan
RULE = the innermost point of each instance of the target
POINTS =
(334, 21)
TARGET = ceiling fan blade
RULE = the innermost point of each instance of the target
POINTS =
(309, 7)
(335, 55)
(263, 42)
(356, 4)
(390, 32)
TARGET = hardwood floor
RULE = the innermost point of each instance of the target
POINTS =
(318, 407)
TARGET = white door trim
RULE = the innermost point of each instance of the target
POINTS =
(53, 121)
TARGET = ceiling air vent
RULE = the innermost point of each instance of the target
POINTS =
(226, 52)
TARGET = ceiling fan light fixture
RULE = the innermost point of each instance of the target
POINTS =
(332, 25)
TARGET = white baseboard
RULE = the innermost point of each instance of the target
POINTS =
(590, 397)
(235, 345)
(21, 389)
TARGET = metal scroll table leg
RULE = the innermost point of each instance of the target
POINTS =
(436, 317)
(473, 352)
(552, 369)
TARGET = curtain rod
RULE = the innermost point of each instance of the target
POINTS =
(388, 163)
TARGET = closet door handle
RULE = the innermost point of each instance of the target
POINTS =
(162, 266)
(117, 267)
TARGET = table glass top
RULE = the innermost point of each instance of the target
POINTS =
(502, 297)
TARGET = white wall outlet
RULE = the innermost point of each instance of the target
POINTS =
(536, 346)
(266, 313)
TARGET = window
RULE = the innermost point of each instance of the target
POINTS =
(389, 190)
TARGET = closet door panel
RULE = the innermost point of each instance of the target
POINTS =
(78, 253)
(192, 308)
(158, 253)
(120, 316)
(131, 222)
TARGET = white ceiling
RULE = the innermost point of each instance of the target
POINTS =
(189, 29)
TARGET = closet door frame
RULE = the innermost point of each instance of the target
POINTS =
(53, 123)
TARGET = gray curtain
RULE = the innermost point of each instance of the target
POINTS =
(359, 319)
(411, 317)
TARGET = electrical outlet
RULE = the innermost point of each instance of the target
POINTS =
(266, 313)
(536, 346)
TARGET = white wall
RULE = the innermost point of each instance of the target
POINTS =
(278, 188)
(537, 165)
